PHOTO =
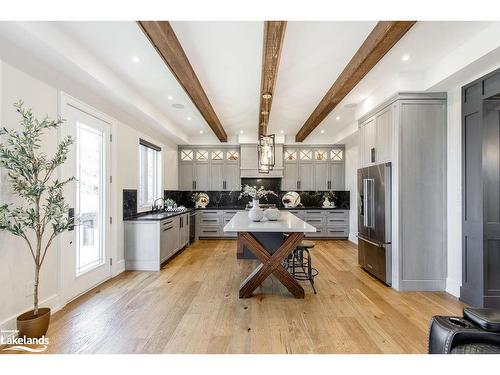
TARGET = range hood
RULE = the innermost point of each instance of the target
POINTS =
(249, 162)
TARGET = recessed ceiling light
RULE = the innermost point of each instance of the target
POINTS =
(282, 131)
(189, 118)
(322, 132)
(135, 59)
(241, 131)
(405, 57)
(201, 131)
(337, 118)
(177, 106)
(170, 97)
(362, 97)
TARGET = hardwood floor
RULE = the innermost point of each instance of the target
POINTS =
(192, 306)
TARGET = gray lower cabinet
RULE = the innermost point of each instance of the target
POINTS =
(150, 243)
(210, 223)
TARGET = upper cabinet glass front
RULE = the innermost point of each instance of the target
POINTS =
(290, 155)
(320, 155)
(217, 155)
(187, 155)
(233, 155)
(201, 155)
(337, 154)
(305, 155)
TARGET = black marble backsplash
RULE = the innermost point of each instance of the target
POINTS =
(232, 199)
(129, 203)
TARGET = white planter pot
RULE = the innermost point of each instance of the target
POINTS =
(255, 213)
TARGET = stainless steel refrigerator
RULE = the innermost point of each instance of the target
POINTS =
(374, 221)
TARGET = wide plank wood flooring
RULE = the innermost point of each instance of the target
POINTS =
(192, 306)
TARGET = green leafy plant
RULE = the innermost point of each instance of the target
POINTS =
(42, 208)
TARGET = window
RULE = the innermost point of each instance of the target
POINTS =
(149, 175)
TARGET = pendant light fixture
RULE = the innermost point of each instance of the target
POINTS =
(266, 147)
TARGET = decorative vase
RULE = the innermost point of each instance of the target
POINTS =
(255, 213)
(326, 202)
(34, 326)
(272, 214)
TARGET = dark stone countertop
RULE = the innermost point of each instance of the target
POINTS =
(156, 216)
(159, 216)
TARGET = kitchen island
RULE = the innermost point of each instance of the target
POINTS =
(268, 241)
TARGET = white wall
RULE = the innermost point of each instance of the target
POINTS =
(16, 268)
(351, 181)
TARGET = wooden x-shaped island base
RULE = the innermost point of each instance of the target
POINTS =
(266, 240)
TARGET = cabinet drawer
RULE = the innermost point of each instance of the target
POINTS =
(209, 232)
(338, 214)
(337, 232)
(337, 222)
(210, 221)
(314, 213)
(210, 213)
(320, 232)
(315, 221)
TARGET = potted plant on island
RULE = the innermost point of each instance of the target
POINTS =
(42, 212)
(255, 213)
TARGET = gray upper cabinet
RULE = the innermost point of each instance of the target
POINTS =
(316, 168)
(216, 176)
(201, 176)
(337, 176)
(209, 168)
(290, 176)
(306, 176)
(186, 176)
(321, 176)
(375, 138)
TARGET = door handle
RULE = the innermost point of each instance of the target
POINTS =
(71, 219)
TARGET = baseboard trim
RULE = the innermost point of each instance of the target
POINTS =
(118, 268)
(53, 302)
(353, 238)
(453, 287)
(422, 285)
(142, 265)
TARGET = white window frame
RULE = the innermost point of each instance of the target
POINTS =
(142, 203)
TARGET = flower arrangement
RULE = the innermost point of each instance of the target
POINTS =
(195, 197)
(254, 193)
(169, 202)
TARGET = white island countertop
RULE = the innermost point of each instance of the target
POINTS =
(287, 223)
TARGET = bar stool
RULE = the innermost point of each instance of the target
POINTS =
(299, 263)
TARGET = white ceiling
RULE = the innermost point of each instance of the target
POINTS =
(227, 58)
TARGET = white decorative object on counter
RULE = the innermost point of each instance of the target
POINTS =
(255, 213)
(202, 200)
(291, 199)
(327, 203)
(272, 214)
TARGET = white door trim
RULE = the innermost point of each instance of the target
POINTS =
(67, 100)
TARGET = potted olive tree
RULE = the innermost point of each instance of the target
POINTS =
(42, 212)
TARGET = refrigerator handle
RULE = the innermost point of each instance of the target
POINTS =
(368, 192)
(363, 203)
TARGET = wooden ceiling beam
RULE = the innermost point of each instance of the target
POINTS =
(382, 38)
(164, 40)
(274, 34)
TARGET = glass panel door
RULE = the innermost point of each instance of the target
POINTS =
(90, 198)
